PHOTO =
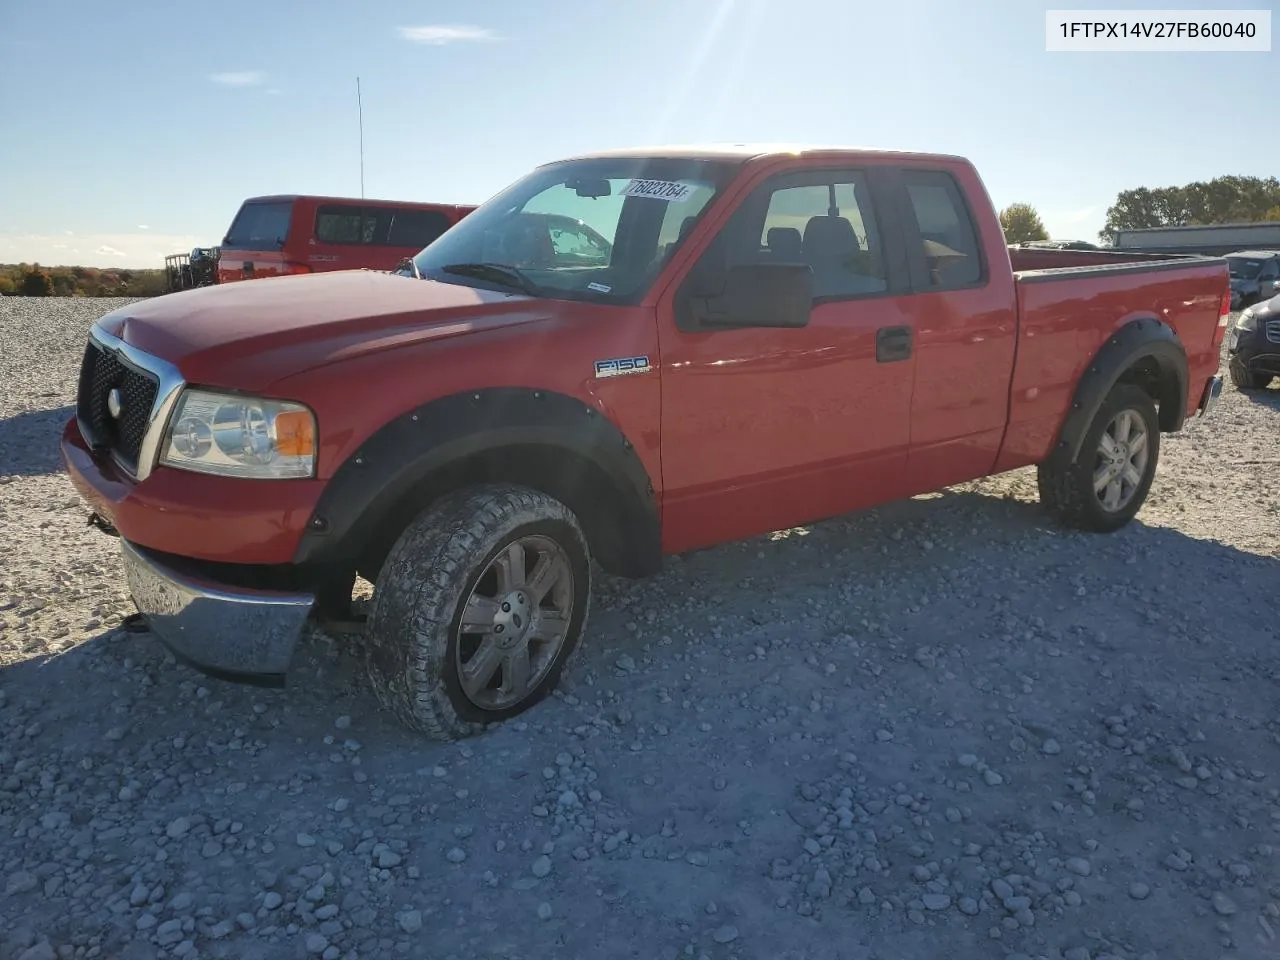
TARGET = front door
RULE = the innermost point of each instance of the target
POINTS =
(764, 429)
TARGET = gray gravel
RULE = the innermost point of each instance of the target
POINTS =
(938, 729)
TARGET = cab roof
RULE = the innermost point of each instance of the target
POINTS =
(743, 152)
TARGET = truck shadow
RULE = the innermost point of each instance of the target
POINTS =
(1269, 397)
(872, 567)
(29, 442)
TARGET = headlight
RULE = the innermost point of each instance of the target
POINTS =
(237, 436)
(1247, 321)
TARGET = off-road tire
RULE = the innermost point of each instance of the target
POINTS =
(418, 601)
(1244, 379)
(1066, 490)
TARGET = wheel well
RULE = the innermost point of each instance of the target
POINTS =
(1160, 382)
(616, 529)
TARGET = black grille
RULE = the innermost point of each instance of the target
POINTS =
(100, 373)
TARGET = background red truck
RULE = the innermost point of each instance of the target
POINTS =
(744, 340)
(282, 235)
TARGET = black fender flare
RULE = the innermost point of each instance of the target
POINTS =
(1140, 339)
(408, 450)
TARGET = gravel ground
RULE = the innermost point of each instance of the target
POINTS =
(938, 729)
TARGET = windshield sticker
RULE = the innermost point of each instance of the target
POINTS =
(599, 287)
(621, 366)
(667, 190)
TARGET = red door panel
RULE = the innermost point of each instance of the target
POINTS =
(764, 429)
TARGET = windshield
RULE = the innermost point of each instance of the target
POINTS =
(597, 229)
(1243, 269)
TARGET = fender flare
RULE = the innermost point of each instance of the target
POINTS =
(1138, 339)
(403, 453)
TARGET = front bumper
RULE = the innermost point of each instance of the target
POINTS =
(1254, 351)
(235, 633)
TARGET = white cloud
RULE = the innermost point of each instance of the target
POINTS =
(239, 78)
(136, 250)
(143, 226)
(440, 34)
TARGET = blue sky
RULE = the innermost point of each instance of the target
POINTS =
(127, 136)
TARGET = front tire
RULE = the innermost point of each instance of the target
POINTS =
(478, 608)
(1244, 379)
(1108, 482)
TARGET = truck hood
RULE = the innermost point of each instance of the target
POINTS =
(245, 335)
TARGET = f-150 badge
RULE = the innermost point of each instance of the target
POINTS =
(621, 366)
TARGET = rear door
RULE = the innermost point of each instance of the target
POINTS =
(254, 247)
(964, 313)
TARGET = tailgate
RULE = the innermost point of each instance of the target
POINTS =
(249, 265)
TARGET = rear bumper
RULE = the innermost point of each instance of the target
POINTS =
(1212, 390)
(235, 633)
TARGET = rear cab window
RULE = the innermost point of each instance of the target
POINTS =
(947, 237)
(260, 225)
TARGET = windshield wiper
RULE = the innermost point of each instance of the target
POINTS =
(499, 273)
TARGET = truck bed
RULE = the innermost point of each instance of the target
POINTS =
(1070, 301)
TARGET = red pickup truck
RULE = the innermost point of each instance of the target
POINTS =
(736, 341)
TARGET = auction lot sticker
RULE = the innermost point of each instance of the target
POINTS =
(667, 190)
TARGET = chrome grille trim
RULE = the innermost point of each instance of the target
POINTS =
(169, 384)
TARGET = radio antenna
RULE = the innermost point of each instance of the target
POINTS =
(360, 114)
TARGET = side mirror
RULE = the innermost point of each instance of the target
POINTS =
(758, 295)
(1275, 286)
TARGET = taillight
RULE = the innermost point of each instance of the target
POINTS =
(1224, 318)
(296, 268)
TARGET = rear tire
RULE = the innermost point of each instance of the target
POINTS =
(514, 561)
(1108, 482)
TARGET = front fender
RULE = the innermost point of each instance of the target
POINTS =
(402, 454)
(1137, 340)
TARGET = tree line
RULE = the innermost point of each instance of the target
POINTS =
(33, 280)
(1226, 199)
(1229, 199)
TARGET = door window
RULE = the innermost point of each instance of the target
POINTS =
(824, 220)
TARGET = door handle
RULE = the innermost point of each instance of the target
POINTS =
(893, 344)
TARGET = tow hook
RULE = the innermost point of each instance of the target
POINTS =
(99, 521)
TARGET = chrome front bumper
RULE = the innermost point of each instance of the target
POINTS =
(1212, 390)
(230, 632)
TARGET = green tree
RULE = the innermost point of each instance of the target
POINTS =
(1225, 199)
(1272, 215)
(37, 283)
(1021, 223)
